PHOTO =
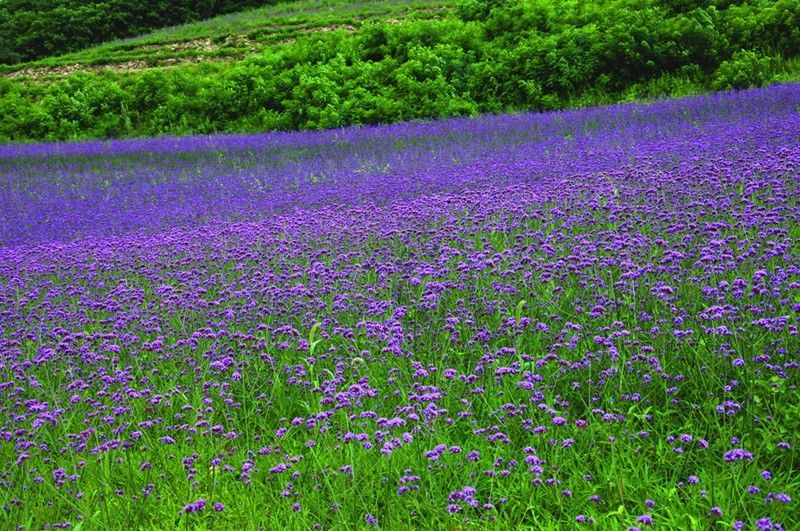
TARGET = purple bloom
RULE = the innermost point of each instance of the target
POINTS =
(764, 524)
(195, 507)
(778, 496)
(738, 454)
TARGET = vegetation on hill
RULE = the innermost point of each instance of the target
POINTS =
(31, 29)
(321, 65)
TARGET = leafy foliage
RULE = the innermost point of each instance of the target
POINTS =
(31, 29)
(483, 56)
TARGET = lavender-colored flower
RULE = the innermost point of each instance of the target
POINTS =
(764, 524)
(738, 454)
(195, 507)
(778, 496)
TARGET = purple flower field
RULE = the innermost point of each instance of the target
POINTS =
(584, 319)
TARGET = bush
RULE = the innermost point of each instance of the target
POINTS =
(745, 69)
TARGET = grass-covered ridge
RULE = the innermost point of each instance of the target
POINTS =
(312, 65)
(585, 319)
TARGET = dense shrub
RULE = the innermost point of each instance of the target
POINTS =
(745, 69)
(489, 56)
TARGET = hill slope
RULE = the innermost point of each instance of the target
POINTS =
(228, 37)
(310, 65)
(32, 29)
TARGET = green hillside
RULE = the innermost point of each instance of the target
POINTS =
(32, 29)
(233, 36)
(322, 64)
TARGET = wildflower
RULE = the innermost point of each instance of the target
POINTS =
(738, 454)
(779, 496)
(195, 507)
(644, 519)
(764, 524)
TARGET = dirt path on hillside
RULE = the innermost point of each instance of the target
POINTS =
(202, 47)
